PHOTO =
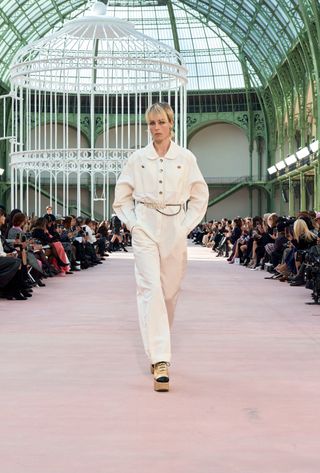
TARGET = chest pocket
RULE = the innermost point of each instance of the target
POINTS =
(147, 175)
(175, 175)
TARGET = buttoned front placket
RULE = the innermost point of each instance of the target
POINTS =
(161, 179)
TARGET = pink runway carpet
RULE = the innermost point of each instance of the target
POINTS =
(76, 395)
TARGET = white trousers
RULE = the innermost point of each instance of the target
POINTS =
(159, 268)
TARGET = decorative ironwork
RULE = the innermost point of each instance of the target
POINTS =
(93, 57)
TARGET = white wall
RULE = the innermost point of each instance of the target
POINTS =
(122, 141)
(222, 150)
(238, 204)
(57, 142)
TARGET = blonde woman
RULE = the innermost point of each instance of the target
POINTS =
(272, 221)
(303, 239)
(150, 198)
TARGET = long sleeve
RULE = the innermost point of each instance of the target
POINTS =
(123, 203)
(2, 252)
(91, 236)
(198, 197)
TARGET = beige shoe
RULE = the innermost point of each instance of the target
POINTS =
(161, 376)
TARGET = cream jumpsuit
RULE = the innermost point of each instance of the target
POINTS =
(159, 241)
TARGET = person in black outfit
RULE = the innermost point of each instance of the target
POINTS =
(116, 241)
(280, 244)
(12, 284)
(304, 239)
(41, 233)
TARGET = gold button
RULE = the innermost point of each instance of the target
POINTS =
(161, 160)
(179, 167)
(160, 192)
(142, 166)
(161, 170)
(160, 182)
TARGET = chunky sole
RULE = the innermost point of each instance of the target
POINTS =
(161, 387)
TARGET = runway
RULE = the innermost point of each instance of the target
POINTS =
(76, 395)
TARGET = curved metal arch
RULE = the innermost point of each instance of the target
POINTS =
(60, 122)
(258, 69)
(262, 186)
(249, 14)
(255, 65)
(213, 121)
(212, 10)
(267, 25)
(35, 16)
(204, 20)
(314, 46)
(289, 90)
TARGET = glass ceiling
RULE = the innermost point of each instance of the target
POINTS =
(210, 56)
(209, 34)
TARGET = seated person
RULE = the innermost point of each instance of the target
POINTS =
(280, 244)
(93, 238)
(58, 256)
(12, 283)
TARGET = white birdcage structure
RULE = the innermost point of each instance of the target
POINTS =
(78, 102)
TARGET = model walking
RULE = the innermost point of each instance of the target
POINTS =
(150, 198)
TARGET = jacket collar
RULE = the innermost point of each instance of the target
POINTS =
(150, 153)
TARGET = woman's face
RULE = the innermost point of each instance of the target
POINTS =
(160, 127)
(2, 219)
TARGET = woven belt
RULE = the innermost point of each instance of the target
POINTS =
(159, 205)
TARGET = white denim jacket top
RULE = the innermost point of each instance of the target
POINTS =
(172, 179)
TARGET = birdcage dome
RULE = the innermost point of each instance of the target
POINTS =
(95, 53)
(83, 91)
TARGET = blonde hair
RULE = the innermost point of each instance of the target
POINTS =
(161, 108)
(272, 219)
(301, 228)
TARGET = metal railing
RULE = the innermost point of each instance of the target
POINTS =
(230, 180)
